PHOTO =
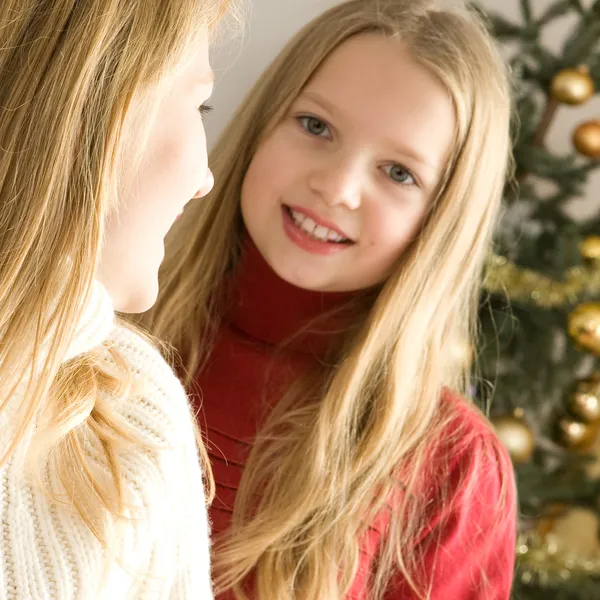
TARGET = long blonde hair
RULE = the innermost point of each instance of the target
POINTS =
(71, 73)
(341, 443)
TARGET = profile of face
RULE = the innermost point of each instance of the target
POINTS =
(339, 188)
(172, 168)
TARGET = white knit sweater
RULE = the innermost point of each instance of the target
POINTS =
(48, 553)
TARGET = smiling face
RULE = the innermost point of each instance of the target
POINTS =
(337, 191)
(172, 169)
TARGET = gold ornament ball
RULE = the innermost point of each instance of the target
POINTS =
(586, 139)
(584, 404)
(590, 249)
(575, 435)
(572, 86)
(516, 436)
(550, 515)
(584, 326)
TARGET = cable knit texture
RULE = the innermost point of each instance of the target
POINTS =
(46, 550)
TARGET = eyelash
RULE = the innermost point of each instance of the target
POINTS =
(303, 120)
(204, 109)
(407, 171)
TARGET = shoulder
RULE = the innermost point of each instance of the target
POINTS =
(162, 477)
(466, 548)
(155, 409)
(156, 394)
(470, 437)
(474, 464)
(161, 465)
(472, 525)
(143, 357)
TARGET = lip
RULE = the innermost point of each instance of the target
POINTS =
(320, 221)
(307, 243)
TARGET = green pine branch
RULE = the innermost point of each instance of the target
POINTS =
(526, 359)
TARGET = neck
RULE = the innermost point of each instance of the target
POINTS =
(95, 323)
(93, 328)
(269, 309)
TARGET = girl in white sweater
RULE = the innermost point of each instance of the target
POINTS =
(101, 146)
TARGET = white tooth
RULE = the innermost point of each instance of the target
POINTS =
(298, 217)
(317, 231)
(321, 232)
(308, 225)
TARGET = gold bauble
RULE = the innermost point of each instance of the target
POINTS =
(576, 435)
(586, 139)
(551, 513)
(572, 86)
(516, 436)
(584, 326)
(590, 249)
(584, 404)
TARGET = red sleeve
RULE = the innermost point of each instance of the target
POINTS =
(470, 552)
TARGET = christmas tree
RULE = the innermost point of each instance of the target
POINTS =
(540, 315)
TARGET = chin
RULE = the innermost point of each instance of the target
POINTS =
(140, 300)
(301, 278)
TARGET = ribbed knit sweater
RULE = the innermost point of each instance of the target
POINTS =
(46, 550)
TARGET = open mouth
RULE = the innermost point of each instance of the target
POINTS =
(315, 231)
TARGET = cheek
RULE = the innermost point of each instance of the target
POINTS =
(175, 163)
(249, 193)
(391, 228)
(185, 159)
(262, 186)
(276, 168)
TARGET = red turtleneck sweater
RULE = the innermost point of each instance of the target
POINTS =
(473, 556)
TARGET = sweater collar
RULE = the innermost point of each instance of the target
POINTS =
(270, 310)
(96, 321)
(93, 328)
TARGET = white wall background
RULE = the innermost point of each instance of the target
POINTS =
(272, 22)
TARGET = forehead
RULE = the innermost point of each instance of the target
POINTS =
(194, 69)
(375, 84)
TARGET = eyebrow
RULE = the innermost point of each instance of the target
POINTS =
(334, 111)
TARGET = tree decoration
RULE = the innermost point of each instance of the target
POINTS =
(584, 326)
(572, 86)
(516, 436)
(586, 138)
(584, 403)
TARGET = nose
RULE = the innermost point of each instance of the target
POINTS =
(338, 181)
(207, 186)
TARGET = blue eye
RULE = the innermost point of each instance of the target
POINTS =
(400, 174)
(314, 126)
(205, 109)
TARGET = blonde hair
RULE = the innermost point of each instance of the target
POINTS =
(72, 73)
(341, 443)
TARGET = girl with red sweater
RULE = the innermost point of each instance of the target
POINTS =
(316, 297)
